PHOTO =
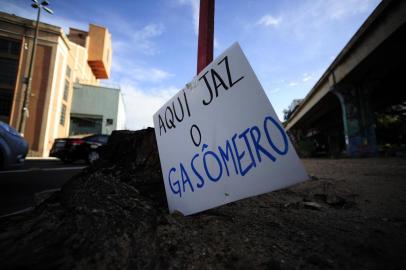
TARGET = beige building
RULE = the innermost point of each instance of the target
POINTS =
(61, 60)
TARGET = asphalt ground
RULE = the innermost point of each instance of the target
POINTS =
(19, 186)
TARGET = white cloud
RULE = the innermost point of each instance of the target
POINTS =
(142, 39)
(216, 44)
(275, 90)
(195, 5)
(150, 31)
(141, 104)
(269, 20)
(306, 77)
(141, 101)
(342, 8)
(312, 17)
(129, 36)
(126, 68)
(291, 84)
(149, 74)
(333, 9)
(133, 74)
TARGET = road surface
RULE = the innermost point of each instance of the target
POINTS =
(17, 187)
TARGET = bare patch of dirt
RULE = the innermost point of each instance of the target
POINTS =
(349, 215)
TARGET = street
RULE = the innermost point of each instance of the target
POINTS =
(18, 186)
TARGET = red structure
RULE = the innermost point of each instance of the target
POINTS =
(206, 34)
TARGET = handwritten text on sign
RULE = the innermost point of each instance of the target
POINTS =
(220, 140)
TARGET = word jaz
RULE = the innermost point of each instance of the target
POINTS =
(217, 81)
(176, 111)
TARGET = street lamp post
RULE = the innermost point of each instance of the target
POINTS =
(28, 79)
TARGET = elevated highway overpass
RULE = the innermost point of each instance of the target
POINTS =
(366, 77)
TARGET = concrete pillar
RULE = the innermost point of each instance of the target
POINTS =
(358, 121)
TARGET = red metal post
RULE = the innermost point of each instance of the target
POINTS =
(206, 34)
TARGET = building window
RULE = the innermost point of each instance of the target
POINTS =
(68, 71)
(109, 121)
(63, 113)
(66, 90)
(9, 60)
(6, 100)
(9, 47)
(85, 125)
(8, 72)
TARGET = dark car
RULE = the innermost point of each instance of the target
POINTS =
(72, 149)
(13, 147)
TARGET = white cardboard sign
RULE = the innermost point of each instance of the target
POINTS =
(220, 140)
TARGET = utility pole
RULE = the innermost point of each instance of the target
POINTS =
(206, 34)
(28, 80)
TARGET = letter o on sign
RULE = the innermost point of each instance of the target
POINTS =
(195, 135)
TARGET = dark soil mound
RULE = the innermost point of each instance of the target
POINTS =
(113, 215)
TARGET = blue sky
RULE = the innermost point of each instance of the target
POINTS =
(289, 43)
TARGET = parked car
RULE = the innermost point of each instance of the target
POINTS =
(72, 149)
(13, 147)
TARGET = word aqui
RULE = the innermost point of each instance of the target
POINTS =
(230, 158)
(174, 114)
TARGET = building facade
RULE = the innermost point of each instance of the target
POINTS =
(96, 109)
(61, 61)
